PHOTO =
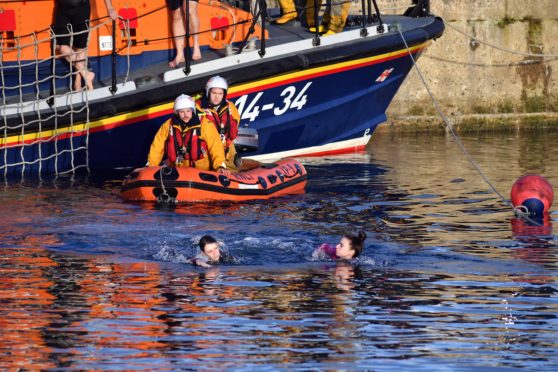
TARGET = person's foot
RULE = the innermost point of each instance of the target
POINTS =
(176, 62)
(89, 77)
(329, 32)
(285, 18)
(196, 55)
(77, 82)
(312, 29)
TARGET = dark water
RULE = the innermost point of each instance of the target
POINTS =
(449, 280)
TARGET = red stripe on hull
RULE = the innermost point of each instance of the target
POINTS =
(349, 150)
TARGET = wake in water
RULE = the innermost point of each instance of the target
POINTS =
(249, 251)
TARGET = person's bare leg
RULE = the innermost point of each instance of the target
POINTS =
(70, 56)
(81, 68)
(178, 33)
(194, 29)
(66, 52)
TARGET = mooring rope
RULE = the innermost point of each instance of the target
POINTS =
(518, 211)
(499, 47)
(448, 125)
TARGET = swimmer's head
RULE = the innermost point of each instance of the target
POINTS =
(350, 246)
(210, 247)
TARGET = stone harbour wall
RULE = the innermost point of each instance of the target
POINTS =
(486, 83)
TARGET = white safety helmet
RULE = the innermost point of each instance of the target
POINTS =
(184, 101)
(216, 82)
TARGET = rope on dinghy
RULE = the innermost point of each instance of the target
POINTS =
(164, 197)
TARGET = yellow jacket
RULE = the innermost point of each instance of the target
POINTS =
(230, 150)
(212, 161)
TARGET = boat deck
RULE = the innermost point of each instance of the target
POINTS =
(293, 35)
(278, 35)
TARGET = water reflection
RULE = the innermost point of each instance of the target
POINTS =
(537, 245)
(74, 312)
(24, 293)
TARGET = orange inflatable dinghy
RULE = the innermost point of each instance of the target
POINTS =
(170, 184)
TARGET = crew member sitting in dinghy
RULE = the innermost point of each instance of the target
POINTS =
(223, 114)
(187, 141)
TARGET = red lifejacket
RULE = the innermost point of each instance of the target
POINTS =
(186, 145)
(226, 125)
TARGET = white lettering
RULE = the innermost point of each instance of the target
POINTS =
(249, 109)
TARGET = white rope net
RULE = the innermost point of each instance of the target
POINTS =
(39, 106)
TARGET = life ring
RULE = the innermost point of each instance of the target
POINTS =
(534, 193)
(221, 32)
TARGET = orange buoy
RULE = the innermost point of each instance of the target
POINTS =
(534, 193)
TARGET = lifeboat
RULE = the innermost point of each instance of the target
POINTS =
(174, 185)
(304, 94)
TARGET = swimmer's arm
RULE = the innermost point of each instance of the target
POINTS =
(318, 254)
(194, 261)
(323, 251)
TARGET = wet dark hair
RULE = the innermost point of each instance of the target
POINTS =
(205, 240)
(357, 242)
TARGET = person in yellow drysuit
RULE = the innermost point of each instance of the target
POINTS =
(288, 11)
(186, 141)
(335, 16)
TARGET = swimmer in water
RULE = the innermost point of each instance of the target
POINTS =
(210, 253)
(349, 247)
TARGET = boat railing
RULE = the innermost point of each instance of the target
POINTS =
(370, 14)
(260, 16)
